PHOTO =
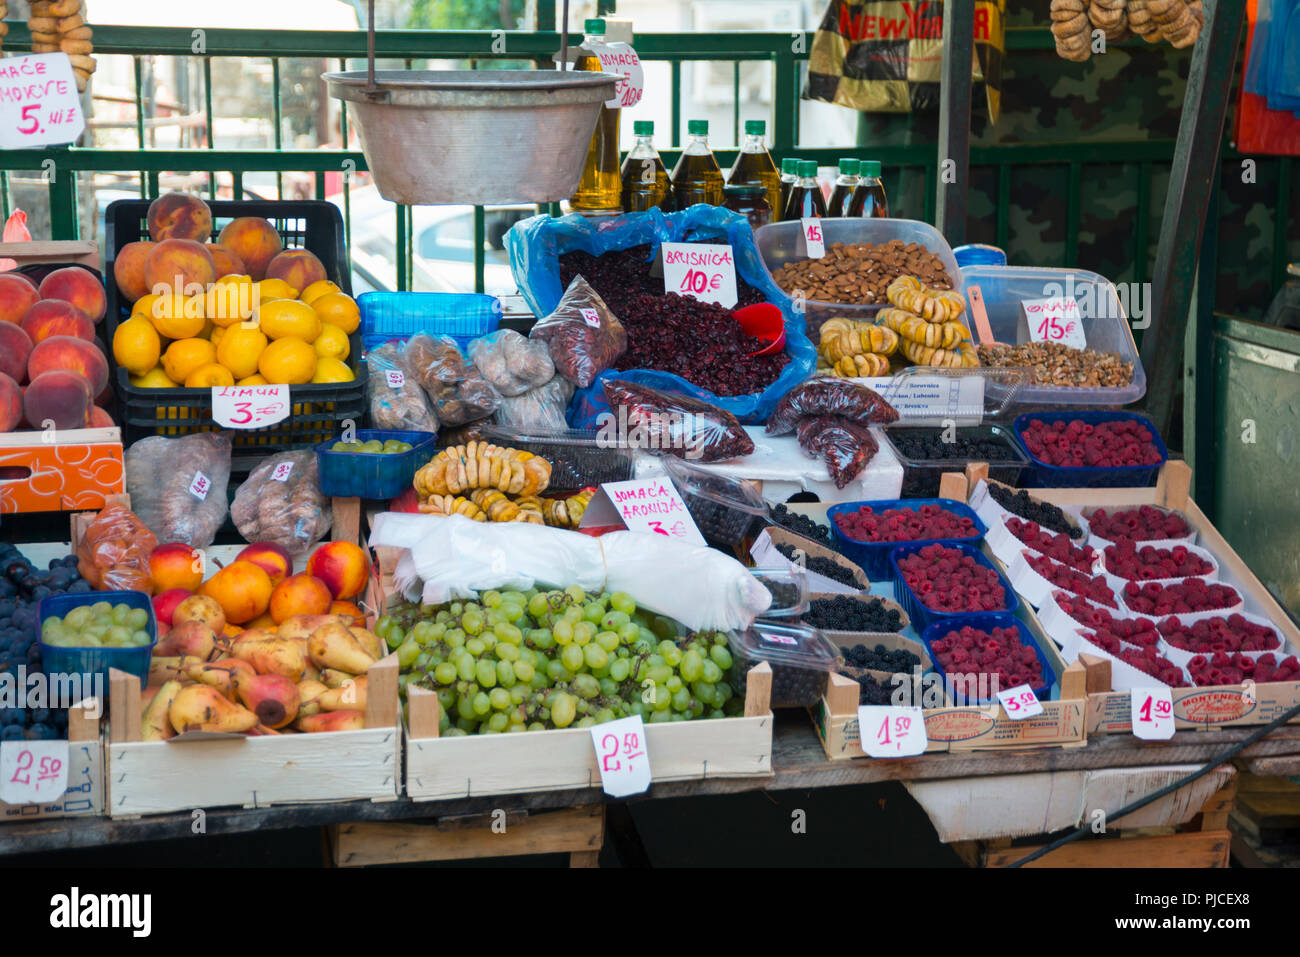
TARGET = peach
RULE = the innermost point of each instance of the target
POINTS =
(78, 286)
(15, 347)
(273, 559)
(55, 317)
(189, 638)
(21, 275)
(179, 260)
(300, 594)
(59, 397)
(227, 261)
(164, 605)
(176, 565)
(17, 295)
(253, 240)
(11, 403)
(200, 608)
(242, 589)
(342, 566)
(348, 610)
(298, 267)
(100, 419)
(76, 355)
(128, 269)
(179, 216)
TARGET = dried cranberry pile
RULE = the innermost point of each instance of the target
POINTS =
(1082, 611)
(950, 581)
(1209, 635)
(1062, 576)
(998, 653)
(1224, 669)
(1053, 544)
(1143, 524)
(1137, 633)
(699, 341)
(1183, 598)
(1149, 661)
(1076, 444)
(1126, 560)
(904, 524)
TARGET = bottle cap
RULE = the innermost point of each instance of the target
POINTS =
(594, 27)
(756, 127)
(808, 168)
(697, 127)
(871, 168)
(849, 166)
(643, 127)
(790, 165)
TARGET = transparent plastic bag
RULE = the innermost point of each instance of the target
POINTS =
(825, 396)
(396, 401)
(280, 502)
(846, 447)
(541, 408)
(680, 425)
(512, 363)
(584, 337)
(178, 486)
(113, 554)
(459, 392)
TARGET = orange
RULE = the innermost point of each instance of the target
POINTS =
(185, 355)
(338, 310)
(289, 360)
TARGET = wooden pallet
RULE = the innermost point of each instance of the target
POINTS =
(1266, 822)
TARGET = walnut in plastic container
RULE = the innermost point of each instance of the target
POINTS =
(281, 502)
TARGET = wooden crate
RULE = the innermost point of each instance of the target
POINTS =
(70, 469)
(84, 796)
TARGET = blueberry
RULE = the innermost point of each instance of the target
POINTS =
(12, 733)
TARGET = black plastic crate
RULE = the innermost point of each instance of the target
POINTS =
(318, 411)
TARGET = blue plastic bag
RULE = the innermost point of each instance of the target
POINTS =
(536, 244)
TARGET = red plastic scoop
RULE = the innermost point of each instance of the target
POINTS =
(763, 321)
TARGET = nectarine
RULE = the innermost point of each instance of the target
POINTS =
(176, 565)
(242, 589)
(164, 605)
(342, 566)
(273, 559)
(300, 594)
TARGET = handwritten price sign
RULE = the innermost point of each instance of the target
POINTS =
(33, 772)
(813, 238)
(622, 60)
(39, 104)
(249, 406)
(891, 732)
(621, 756)
(704, 271)
(654, 506)
(1152, 713)
(1055, 320)
(395, 379)
(1020, 702)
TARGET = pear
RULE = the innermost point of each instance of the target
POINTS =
(273, 698)
(333, 721)
(350, 696)
(373, 644)
(220, 674)
(309, 691)
(272, 656)
(333, 678)
(301, 626)
(154, 723)
(199, 707)
(188, 638)
(333, 646)
(171, 668)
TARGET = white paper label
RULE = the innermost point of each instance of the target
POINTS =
(591, 317)
(705, 271)
(621, 756)
(956, 397)
(39, 103)
(1055, 320)
(653, 505)
(887, 731)
(281, 472)
(33, 772)
(1152, 713)
(395, 378)
(1020, 702)
(249, 406)
(200, 485)
(812, 236)
(621, 59)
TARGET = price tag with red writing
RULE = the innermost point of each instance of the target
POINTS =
(1020, 702)
(887, 731)
(591, 317)
(39, 103)
(621, 59)
(249, 406)
(200, 485)
(1055, 320)
(621, 756)
(705, 271)
(653, 506)
(812, 236)
(395, 378)
(33, 772)
(1152, 713)
(282, 472)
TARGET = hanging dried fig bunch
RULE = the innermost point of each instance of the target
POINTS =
(1071, 29)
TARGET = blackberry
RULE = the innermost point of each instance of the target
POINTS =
(784, 595)
(880, 658)
(970, 444)
(822, 566)
(845, 613)
(870, 691)
(801, 525)
(1044, 513)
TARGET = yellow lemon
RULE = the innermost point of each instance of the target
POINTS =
(230, 299)
(318, 289)
(185, 355)
(289, 360)
(288, 317)
(209, 375)
(338, 310)
(136, 345)
(240, 349)
(269, 289)
(144, 305)
(329, 369)
(253, 380)
(214, 336)
(332, 343)
(155, 378)
(178, 317)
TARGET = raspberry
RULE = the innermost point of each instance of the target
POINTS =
(1187, 597)
(1107, 445)
(945, 579)
(1054, 545)
(1143, 524)
(1232, 634)
(1062, 576)
(1001, 654)
(904, 524)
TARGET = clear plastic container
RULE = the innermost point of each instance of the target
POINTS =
(400, 315)
(801, 660)
(578, 457)
(789, 588)
(726, 510)
(1105, 324)
(921, 476)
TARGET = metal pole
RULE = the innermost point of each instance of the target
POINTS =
(370, 49)
(954, 119)
(564, 36)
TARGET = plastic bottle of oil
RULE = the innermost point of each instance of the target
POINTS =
(789, 176)
(869, 199)
(842, 194)
(601, 182)
(697, 178)
(754, 165)
(645, 179)
(805, 195)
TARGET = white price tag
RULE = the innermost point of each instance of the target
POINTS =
(39, 103)
(395, 378)
(281, 472)
(200, 485)
(921, 397)
(1152, 713)
(1055, 320)
(887, 731)
(1020, 702)
(33, 772)
(249, 406)
(591, 317)
(621, 59)
(812, 236)
(621, 756)
(654, 506)
(704, 271)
